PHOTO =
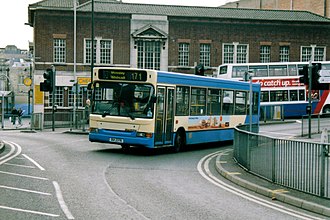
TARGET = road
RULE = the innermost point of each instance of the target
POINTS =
(64, 176)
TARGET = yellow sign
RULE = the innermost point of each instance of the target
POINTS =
(38, 95)
(83, 80)
(27, 81)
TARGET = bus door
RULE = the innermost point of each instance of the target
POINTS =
(164, 116)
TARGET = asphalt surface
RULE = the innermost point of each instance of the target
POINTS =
(230, 169)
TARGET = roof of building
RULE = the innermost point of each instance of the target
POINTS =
(112, 6)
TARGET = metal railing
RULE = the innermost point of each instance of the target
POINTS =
(40, 121)
(316, 123)
(299, 165)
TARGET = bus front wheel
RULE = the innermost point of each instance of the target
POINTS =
(179, 142)
(125, 147)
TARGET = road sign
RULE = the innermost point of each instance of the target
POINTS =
(324, 79)
(324, 73)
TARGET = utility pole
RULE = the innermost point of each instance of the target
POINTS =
(309, 99)
(92, 49)
(75, 61)
(53, 97)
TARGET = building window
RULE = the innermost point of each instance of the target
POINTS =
(88, 51)
(264, 54)
(149, 54)
(241, 54)
(105, 51)
(235, 53)
(313, 53)
(319, 54)
(284, 54)
(59, 97)
(205, 54)
(102, 51)
(82, 92)
(183, 54)
(59, 50)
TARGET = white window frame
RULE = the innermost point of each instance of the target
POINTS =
(205, 54)
(59, 50)
(149, 54)
(98, 53)
(284, 53)
(59, 97)
(308, 53)
(236, 54)
(265, 51)
(184, 49)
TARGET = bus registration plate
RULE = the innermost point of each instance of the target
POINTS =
(117, 140)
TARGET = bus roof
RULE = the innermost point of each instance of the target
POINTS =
(195, 80)
(271, 63)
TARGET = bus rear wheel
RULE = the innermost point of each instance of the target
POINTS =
(179, 142)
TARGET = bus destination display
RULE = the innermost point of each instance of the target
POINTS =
(127, 75)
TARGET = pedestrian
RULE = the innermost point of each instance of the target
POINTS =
(87, 110)
(20, 114)
(14, 114)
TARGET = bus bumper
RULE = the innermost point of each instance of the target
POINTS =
(121, 138)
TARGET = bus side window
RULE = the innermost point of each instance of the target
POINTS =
(214, 102)
(223, 70)
(293, 71)
(182, 100)
(238, 71)
(227, 106)
(265, 96)
(240, 103)
(259, 71)
(198, 101)
(293, 95)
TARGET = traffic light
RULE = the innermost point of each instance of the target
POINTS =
(303, 73)
(316, 85)
(199, 70)
(49, 82)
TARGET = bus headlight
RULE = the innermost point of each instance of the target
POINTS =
(95, 130)
(144, 134)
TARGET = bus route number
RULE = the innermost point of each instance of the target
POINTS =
(128, 75)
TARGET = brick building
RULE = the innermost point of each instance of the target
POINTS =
(173, 38)
(320, 7)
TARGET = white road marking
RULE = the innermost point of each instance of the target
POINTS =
(122, 200)
(19, 165)
(25, 190)
(28, 211)
(22, 175)
(60, 199)
(211, 178)
(9, 156)
(33, 161)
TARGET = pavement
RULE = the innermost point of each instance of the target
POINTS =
(230, 169)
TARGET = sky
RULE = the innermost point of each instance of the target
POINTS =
(14, 15)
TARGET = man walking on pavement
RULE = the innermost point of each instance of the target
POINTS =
(14, 114)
